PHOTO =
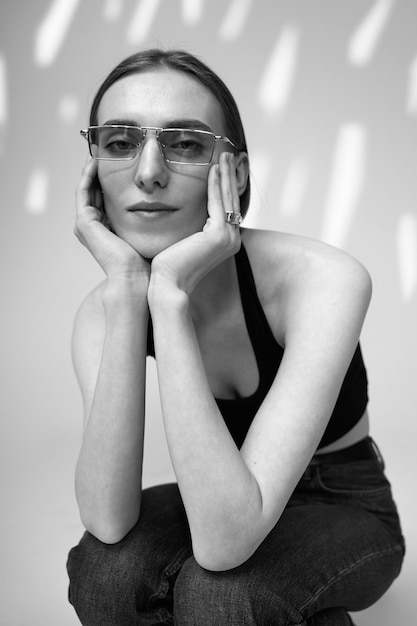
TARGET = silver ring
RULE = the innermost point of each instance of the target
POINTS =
(233, 218)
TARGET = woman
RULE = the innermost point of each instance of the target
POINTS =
(281, 513)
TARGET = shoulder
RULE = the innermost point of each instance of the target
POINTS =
(294, 274)
(292, 260)
(267, 246)
(91, 310)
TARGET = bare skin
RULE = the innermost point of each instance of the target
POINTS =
(315, 298)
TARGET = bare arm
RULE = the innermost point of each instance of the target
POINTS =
(234, 498)
(109, 354)
(220, 494)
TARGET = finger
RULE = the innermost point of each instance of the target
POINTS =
(233, 185)
(214, 196)
(85, 186)
(226, 182)
(89, 207)
(98, 199)
(89, 171)
(230, 194)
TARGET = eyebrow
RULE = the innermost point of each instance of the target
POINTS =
(179, 123)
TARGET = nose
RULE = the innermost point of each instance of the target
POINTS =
(151, 171)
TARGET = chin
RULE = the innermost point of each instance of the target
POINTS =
(149, 244)
(148, 250)
(148, 247)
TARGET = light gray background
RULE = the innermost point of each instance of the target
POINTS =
(334, 146)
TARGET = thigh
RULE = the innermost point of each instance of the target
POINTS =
(339, 541)
(131, 581)
(327, 555)
(318, 556)
(337, 544)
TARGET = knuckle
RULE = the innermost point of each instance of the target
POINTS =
(80, 223)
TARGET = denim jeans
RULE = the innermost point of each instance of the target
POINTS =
(337, 547)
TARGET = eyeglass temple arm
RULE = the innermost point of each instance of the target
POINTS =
(226, 139)
(84, 133)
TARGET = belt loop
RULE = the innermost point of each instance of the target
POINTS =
(377, 453)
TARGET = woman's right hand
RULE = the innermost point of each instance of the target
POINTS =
(116, 257)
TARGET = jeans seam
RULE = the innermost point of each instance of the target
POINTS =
(347, 570)
(169, 571)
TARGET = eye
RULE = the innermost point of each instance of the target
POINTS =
(185, 143)
(119, 146)
(119, 142)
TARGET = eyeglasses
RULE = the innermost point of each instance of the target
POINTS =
(177, 145)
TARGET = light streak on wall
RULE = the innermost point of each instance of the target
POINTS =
(365, 39)
(407, 254)
(68, 108)
(112, 10)
(53, 29)
(37, 191)
(345, 185)
(260, 167)
(192, 11)
(3, 103)
(278, 76)
(142, 20)
(235, 19)
(412, 87)
(294, 187)
(3, 92)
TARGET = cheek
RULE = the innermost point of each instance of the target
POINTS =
(106, 178)
(192, 185)
(104, 182)
(111, 185)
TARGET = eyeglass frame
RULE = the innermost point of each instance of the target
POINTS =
(86, 134)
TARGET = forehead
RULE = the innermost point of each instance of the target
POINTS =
(159, 97)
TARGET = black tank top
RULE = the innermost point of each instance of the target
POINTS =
(239, 413)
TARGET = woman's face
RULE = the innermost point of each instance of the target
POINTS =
(176, 193)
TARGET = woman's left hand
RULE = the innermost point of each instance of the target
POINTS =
(186, 262)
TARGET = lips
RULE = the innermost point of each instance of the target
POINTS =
(151, 207)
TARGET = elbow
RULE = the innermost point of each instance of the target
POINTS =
(109, 537)
(222, 563)
(227, 545)
(109, 532)
(221, 560)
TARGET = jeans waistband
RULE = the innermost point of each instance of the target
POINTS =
(360, 451)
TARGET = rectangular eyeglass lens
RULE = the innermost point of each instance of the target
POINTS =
(187, 146)
(115, 142)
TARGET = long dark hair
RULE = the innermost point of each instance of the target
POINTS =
(189, 64)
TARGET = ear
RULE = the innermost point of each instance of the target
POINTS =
(242, 171)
